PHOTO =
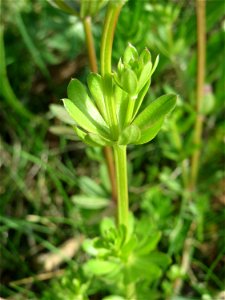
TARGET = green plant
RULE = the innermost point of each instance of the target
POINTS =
(110, 115)
(114, 118)
(53, 190)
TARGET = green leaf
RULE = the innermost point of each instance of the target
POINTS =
(149, 244)
(88, 202)
(140, 98)
(120, 66)
(59, 112)
(145, 75)
(106, 224)
(88, 247)
(91, 187)
(80, 133)
(130, 54)
(96, 88)
(145, 57)
(142, 268)
(122, 100)
(99, 267)
(79, 117)
(155, 111)
(155, 65)
(78, 95)
(129, 246)
(129, 81)
(129, 135)
(148, 134)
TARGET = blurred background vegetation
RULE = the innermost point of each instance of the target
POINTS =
(54, 190)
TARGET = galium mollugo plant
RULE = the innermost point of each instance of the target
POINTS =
(110, 114)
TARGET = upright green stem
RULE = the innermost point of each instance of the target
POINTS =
(107, 37)
(94, 68)
(106, 63)
(201, 35)
(121, 179)
(119, 151)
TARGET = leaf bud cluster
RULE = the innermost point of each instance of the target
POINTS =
(134, 71)
(110, 113)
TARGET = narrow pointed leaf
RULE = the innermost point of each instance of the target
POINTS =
(122, 99)
(130, 54)
(95, 86)
(155, 111)
(155, 65)
(145, 75)
(79, 117)
(140, 98)
(78, 95)
(148, 134)
(80, 133)
(129, 81)
(145, 56)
